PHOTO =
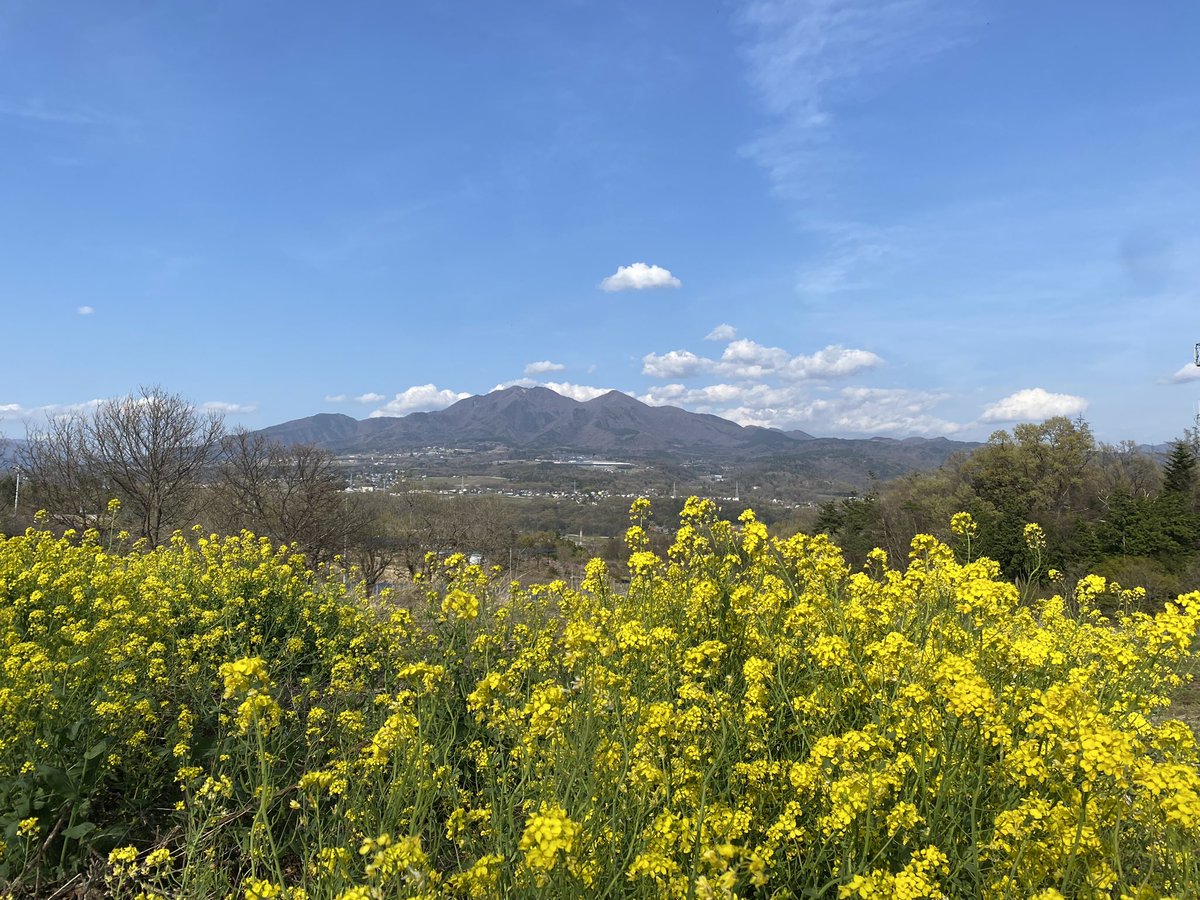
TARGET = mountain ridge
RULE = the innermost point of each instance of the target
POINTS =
(612, 424)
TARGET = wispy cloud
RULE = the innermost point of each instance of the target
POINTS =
(369, 397)
(230, 409)
(853, 254)
(85, 310)
(1033, 405)
(806, 57)
(1190, 372)
(638, 277)
(722, 332)
(807, 60)
(353, 236)
(37, 111)
(419, 398)
(543, 366)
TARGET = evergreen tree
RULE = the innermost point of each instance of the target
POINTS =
(1179, 471)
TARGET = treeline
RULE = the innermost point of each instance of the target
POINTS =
(171, 465)
(1112, 510)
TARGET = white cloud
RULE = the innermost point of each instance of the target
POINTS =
(13, 411)
(665, 395)
(85, 310)
(833, 362)
(769, 386)
(748, 360)
(369, 397)
(851, 409)
(68, 408)
(888, 411)
(722, 332)
(761, 404)
(580, 392)
(1033, 405)
(1190, 372)
(419, 398)
(221, 406)
(674, 364)
(542, 367)
(639, 276)
(336, 398)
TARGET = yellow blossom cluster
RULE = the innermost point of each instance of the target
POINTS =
(739, 716)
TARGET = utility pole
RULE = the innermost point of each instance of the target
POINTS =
(17, 493)
(1194, 432)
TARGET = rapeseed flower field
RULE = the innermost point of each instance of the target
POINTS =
(746, 718)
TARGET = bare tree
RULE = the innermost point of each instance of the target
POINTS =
(444, 524)
(291, 494)
(62, 473)
(374, 544)
(1125, 468)
(150, 450)
(155, 447)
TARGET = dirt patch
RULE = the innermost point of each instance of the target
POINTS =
(1185, 705)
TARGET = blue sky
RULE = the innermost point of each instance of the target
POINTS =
(893, 217)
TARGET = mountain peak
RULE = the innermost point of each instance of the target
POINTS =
(614, 398)
(541, 419)
(519, 389)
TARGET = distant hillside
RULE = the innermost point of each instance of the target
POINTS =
(857, 461)
(8, 451)
(540, 419)
(613, 425)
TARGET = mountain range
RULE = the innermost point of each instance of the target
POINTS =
(616, 425)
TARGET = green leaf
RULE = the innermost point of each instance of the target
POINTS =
(96, 749)
(79, 830)
(57, 781)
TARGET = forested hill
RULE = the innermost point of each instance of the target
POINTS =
(1121, 512)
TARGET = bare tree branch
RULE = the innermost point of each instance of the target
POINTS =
(290, 494)
(149, 450)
